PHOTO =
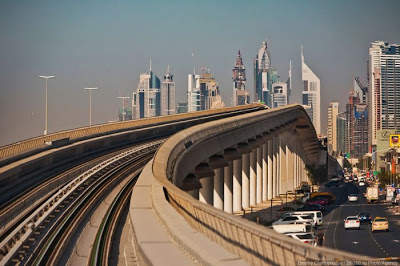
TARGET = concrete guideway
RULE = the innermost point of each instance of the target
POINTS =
(278, 153)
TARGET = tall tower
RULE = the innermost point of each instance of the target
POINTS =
(333, 112)
(193, 93)
(384, 88)
(311, 94)
(289, 81)
(148, 96)
(262, 65)
(168, 94)
(241, 96)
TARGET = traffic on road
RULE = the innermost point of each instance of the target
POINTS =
(353, 216)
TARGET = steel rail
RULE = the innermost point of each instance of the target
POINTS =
(49, 253)
(100, 252)
(25, 230)
(36, 195)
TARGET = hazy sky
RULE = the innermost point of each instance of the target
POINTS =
(107, 44)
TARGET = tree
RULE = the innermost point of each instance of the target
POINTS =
(318, 174)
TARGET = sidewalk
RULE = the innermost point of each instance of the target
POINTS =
(270, 210)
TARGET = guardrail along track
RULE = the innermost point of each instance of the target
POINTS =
(41, 238)
(26, 201)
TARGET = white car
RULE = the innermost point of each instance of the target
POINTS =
(352, 222)
(293, 219)
(307, 238)
(353, 197)
(361, 183)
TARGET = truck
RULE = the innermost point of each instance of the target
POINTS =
(372, 194)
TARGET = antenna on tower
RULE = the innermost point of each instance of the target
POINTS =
(150, 64)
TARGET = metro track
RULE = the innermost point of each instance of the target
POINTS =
(46, 236)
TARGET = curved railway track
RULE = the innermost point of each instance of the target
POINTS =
(45, 233)
(26, 201)
(100, 252)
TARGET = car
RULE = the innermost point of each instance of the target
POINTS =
(329, 198)
(379, 224)
(312, 207)
(317, 200)
(361, 183)
(364, 217)
(332, 184)
(351, 222)
(355, 178)
(292, 219)
(353, 197)
(308, 238)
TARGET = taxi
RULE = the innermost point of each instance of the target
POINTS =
(380, 223)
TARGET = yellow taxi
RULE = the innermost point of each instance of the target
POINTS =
(380, 223)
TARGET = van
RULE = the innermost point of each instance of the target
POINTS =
(316, 215)
(292, 228)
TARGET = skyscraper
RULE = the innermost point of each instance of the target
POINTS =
(168, 94)
(241, 96)
(147, 98)
(289, 82)
(262, 65)
(384, 88)
(279, 94)
(311, 94)
(210, 97)
(333, 111)
(194, 93)
(341, 132)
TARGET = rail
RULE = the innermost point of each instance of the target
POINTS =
(14, 241)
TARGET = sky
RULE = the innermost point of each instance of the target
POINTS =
(108, 44)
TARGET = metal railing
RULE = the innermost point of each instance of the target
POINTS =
(73, 134)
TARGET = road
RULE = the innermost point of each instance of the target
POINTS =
(363, 241)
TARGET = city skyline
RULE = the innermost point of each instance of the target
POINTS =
(108, 45)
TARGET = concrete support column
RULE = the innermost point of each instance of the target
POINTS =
(206, 192)
(274, 168)
(228, 186)
(290, 168)
(237, 185)
(253, 176)
(246, 180)
(194, 193)
(264, 171)
(259, 176)
(270, 167)
(282, 159)
(219, 188)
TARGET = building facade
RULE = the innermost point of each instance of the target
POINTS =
(262, 65)
(384, 88)
(333, 111)
(194, 96)
(241, 96)
(147, 99)
(168, 94)
(279, 94)
(311, 94)
(210, 97)
(341, 132)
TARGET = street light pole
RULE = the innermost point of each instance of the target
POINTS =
(123, 106)
(90, 104)
(46, 78)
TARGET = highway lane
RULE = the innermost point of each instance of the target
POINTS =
(363, 241)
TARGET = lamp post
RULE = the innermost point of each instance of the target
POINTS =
(90, 104)
(123, 106)
(46, 78)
